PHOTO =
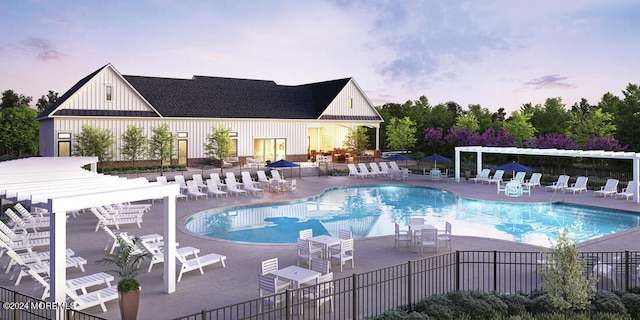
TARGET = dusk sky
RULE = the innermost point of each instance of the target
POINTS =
(496, 53)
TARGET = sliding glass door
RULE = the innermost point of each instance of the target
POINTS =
(270, 149)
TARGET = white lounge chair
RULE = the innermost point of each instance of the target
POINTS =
(114, 243)
(216, 178)
(212, 188)
(41, 267)
(263, 181)
(163, 180)
(19, 223)
(21, 235)
(199, 181)
(483, 176)
(114, 220)
(519, 177)
(198, 262)
(157, 253)
(22, 245)
(94, 298)
(579, 186)
(232, 176)
(496, 178)
(232, 187)
(534, 181)
(31, 256)
(81, 283)
(353, 171)
(249, 186)
(27, 216)
(394, 166)
(563, 182)
(627, 192)
(365, 171)
(275, 175)
(610, 189)
(375, 170)
(182, 182)
(194, 191)
(385, 169)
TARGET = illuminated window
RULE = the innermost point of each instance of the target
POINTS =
(350, 103)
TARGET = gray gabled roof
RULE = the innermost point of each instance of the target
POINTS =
(215, 97)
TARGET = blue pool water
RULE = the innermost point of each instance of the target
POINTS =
(372, 210)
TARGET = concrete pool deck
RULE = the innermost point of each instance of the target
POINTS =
(219, 287)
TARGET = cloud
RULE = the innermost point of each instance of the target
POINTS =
(43, 49)
(552, 81)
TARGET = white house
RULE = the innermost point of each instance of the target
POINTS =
(267, 121)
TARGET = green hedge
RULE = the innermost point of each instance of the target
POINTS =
(130, 169)
(536, 305)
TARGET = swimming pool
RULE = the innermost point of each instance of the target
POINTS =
(371, 211)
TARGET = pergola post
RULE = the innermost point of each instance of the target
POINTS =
(479, 161)
(636, 177)
(457, 164)
(58, 248)
(169, 240)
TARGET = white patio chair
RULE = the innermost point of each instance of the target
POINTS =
(384, 169)
(216, 178)
(353, 171)
(375, 170)
(114, 220)
(306, 252)
(19, 223)
(579, 186)
(41, 267)
(232, 176)
(163, 180)
(481, 177)
(197, 178)
(445, 235)
(534, 181)
(275, 175)
(263, 181)
(18, 236)
(563, 182)
(269, 288)
(182, 182)
(628, 191)
(194, 191)
(365, 171)
(610, 188)
(343, 253)
(321, 265)
(212, 188)
(321, 292)
(233, 187)
(496, 178)
(80, 283)
(402, 236)
(250, 187)
(428, 238)
(345, 234)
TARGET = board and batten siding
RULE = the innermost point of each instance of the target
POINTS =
(92, 96)
(295, 132)
(361, 106)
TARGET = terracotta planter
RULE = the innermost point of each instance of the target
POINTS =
(129, 303)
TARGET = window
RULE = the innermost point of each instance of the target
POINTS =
(350, 103)
(109, 93)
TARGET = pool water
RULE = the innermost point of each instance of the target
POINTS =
(371, 211)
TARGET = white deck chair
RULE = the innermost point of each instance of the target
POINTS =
(627, 192)
(212, 188)
(193, 190)
(182, 182)
(198, 262)
(197, 178)
(233, 187)
(216, 178)
(534, 181)
(114, 220)
(365, 171)
(483, 176)
(113, 238)
(563, 182)
(27, 216)
(157, 253)
(263, 181)
(249, 186)
(428, 238)
(375, 170)
(445, 235)
(232, 176)
(579, 186)
(23, 225)
(21, 235)
(246, 174)
(22, 245)
(41, 267)
(610, 188)
(81, 283)
(496, 178)
(269, 288)
(307, 252)
(394, 166)
(385, 169)
(519, 177)
(34, 257)
(93, 298)
(275, 175)
(402, 235)
(353, 171)
(163, 180)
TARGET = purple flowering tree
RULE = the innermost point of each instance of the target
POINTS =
(552, 141)
(599, 142)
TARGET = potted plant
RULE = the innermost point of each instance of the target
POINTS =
(466, 166)
(127, 261)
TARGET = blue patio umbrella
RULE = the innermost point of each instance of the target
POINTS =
(398, 157)
(284, 164)
(513, 167)
(435, 158)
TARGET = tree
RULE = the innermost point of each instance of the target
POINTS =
(519, 125)
(94, 142)
(585, 124)
(11, 99)
(134, 144)
(401, 134)
(19, 131)
(552, 118)
(161, 146)
(628, 117)
(467, 121)
(218, 145)
(483, 116)
(563, 279)
(45, 101)
(356, 140)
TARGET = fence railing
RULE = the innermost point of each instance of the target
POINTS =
(19, 306)
(371, 293)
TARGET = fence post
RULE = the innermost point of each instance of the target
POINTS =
(495, 270)
(409, 287)
(627, 270)
(457, 275)
(204, 314)
(288, 301)
(354, 297)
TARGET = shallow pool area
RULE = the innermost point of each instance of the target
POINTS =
(370, 211)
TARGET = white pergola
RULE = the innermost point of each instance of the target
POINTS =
(635, 157)
(61, 185)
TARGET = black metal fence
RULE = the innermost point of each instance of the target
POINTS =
(20, 306)
(371, 293)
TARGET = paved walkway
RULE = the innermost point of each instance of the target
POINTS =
(237, 282)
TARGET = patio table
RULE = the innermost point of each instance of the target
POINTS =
(327, 242)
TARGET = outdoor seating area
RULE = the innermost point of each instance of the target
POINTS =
(421, 235)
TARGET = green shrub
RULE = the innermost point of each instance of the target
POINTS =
(496, 306)
(516, 303)
(438, 306)
(631, 301)
(607, 302)
(394, 314)
(541, 304)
